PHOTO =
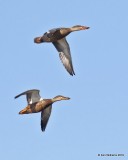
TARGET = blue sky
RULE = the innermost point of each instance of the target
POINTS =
(95, 120)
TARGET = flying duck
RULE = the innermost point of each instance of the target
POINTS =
(57, 37)
(38, 104)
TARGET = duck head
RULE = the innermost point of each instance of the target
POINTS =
(59, 98)
(38, 40)
(79, 27)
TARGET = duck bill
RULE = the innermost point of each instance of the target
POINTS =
(84, 27)
(66, 98)
(37, 40)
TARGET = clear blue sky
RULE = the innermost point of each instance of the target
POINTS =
(95, 120)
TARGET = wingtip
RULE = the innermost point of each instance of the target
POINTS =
(72, 74)
(15, 97)
(42, 129)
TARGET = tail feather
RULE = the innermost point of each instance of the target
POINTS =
(24, 111)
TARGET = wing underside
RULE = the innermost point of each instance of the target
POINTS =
(45, 114)
(63, 48)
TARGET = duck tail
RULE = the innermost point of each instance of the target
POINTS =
(24, 111)
(38, 40)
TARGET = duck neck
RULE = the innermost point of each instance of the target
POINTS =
(55, 99)
(74, 29)
(65, 31)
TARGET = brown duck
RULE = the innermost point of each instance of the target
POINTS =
(57, 37)
(38, 104)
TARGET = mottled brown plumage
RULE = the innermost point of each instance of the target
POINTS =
(37, 104)
(57, 37)
(36, 107)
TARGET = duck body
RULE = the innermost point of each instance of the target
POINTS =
(53, 35)
(36, 107)
(57, 38)
(37, 104)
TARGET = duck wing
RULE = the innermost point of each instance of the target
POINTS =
(31, 95)
(45, 114)
(54, 30)
(63, 48)
(53, 34)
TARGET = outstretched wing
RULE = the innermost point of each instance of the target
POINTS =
(63, 48)
(45, 114)
(31, 95)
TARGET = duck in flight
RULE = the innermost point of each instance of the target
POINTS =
(57, 37)
(38, 104)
